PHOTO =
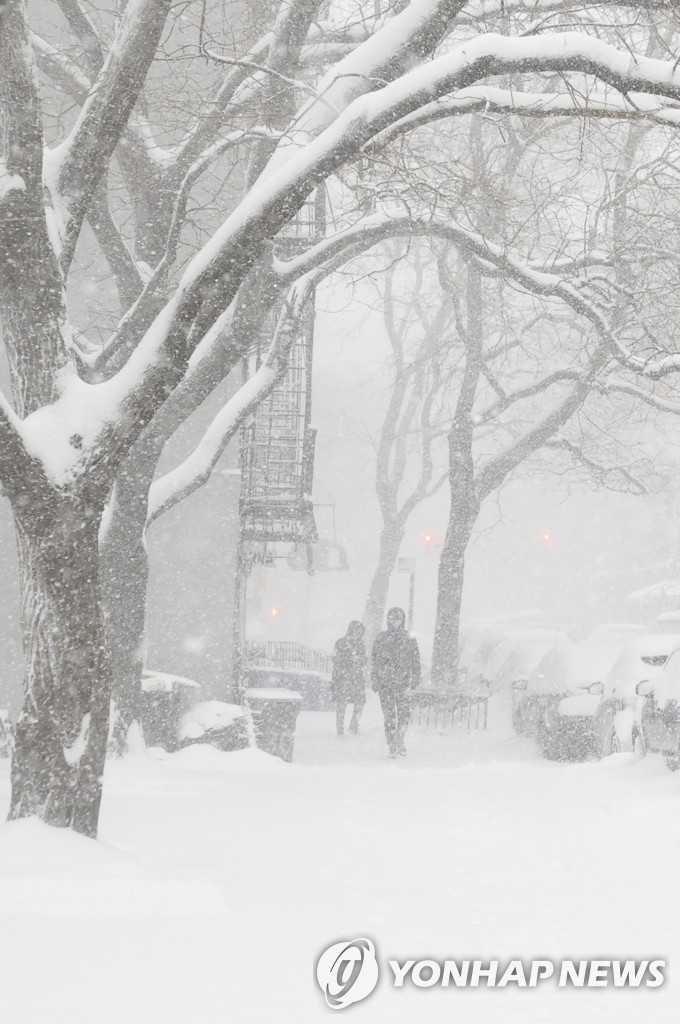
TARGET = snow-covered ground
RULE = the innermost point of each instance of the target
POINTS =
(219, 878)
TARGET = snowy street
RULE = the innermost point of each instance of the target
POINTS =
(223, 876)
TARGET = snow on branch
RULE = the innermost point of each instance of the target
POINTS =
(83, 29)
(487, 100)
(20, 474)
(402, 41)
(487, 255)
(79, 162)
(275, 197)
(492, 473)
(57, 66)
(262, 69)
(605, 475)
(609, 387)
(491, 55)
(380, 227)
(505, 400)
(140, 309)
(196, 469)
(213, 277)
(206, 130)
(478, 9)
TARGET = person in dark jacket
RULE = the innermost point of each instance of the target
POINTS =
(395, 671)
(348, 682)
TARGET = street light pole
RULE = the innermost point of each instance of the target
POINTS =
(411, 596)
(409, 565)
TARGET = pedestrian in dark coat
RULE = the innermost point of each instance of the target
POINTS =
(395, 671)
(348, 682)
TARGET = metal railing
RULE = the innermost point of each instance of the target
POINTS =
(438, 708)
(286, 654)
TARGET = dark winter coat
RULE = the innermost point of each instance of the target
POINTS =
(395, 661)
(348, 682)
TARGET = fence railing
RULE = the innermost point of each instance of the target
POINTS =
(437, 708)
(286, 654)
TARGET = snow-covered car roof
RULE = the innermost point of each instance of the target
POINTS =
(641, 658)
(571, 667)
(484, 652)
(521, 662)
(673, 616)
(608, 631)
(663, 588)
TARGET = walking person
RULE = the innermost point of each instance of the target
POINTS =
(348, 682)
(395, 671)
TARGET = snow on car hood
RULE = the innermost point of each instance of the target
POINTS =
(582, 706)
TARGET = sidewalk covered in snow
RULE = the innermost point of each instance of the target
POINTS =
(219, 878)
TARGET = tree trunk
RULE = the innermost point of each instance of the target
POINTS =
(462, 518)
(153, 213)
(62, 732)
(125, 577)
(374, 612)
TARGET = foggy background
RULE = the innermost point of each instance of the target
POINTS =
(603, 546)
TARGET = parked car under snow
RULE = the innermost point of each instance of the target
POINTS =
(641, 659)
(514, 675)
(562, 697)
(657, 725)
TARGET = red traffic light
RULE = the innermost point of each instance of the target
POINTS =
(547, 537)
(427, 538)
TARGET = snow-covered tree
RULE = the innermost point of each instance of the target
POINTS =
(81, 405)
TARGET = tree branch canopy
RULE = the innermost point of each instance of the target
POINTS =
(77, 165)
(356, 102)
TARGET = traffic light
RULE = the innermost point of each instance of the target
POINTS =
(547, 537)
(427, 538)
(275, 611)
